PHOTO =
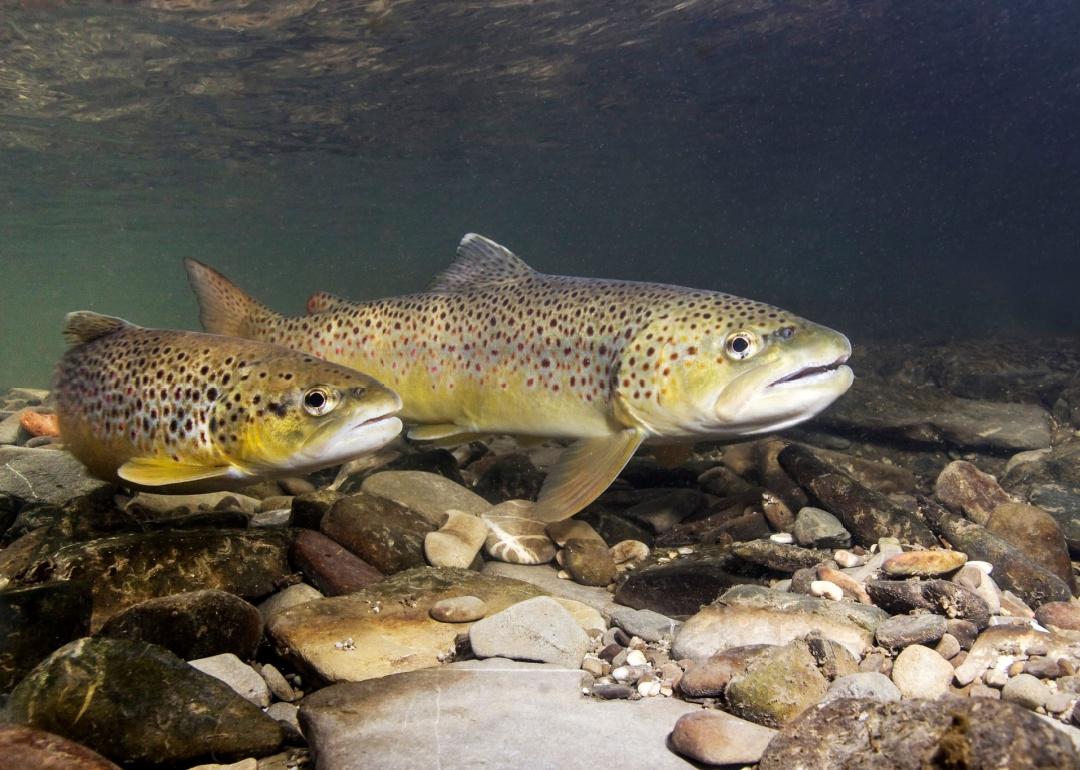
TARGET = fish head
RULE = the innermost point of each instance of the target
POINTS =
(294, 415)
(765, 372)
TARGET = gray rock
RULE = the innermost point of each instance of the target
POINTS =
(1025, 690)
(650, 626)
(193, 624)
(869, 684)
(904, 630)
(910, 735)
(155, 709)
(48, 475)
(487, 713)
(279, 686)
(716, 738)
(298, 593)
(546, 578)
(748, 615)
(780, 556)
(820, 529)
(11, 430)
(919, 672)
(287, 715)
(35, 621)
(242, 678)
(428, 494)
(537, 629)
(938, 596)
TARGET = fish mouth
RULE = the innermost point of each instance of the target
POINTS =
(813, 373)
(373, 421)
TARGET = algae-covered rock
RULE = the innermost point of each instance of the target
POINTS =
(36, 620)
(385, 534)
(137, 702)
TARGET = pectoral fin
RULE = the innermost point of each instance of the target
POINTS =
(443, 435)
(584, 470)
(672, 455)
(158, 472)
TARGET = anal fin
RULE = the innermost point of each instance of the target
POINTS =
(584, 470)
(159, 472)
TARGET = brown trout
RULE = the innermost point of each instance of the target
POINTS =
(158, 408)
(497, 347)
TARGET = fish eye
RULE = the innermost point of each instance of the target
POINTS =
(741, 345)
(319, 401)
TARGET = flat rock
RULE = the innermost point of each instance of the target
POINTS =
(904, 630)
(329, 566)
(922, 563)
(293, 595)
(920, 672)
(193, 624)
(35, 621)
(428, 494)
(912, 735)
(242, 678)
(546, 578)
(24, 748)
(963, 488)
(938, 596)
(487, 713)
(779, 556)
(884, 407)
(124, 570)
(155, 707)
(385, 534)
(646, 624)
(816, 528)
(514, 536)
(864, 684)
(1025, 690)
(777, 685)
(748, 615)
(457, 542)
(716, 738)
(386, 628)
(47, 475)
(1037, 534)
(537, 629)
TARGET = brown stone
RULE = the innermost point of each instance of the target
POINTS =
(716, 738)
(24, 748)
(923, 563)
(1064, 615)
(330, 567)
(708, 678)
(965, 489)
(1036, 533)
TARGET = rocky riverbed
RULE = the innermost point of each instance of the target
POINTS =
(892, 584)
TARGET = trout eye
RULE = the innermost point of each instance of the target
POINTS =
(319, 401)
(741, 345)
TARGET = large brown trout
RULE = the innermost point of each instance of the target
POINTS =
(188, 411)
(497, 347)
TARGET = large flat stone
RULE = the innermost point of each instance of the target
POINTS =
(493, 713)
(49, 475)
(546, 578)
(428, 494)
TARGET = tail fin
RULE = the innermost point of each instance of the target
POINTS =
(324, 302)
(223, 307)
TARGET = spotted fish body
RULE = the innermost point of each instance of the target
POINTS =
(159, 408)
(496, 347)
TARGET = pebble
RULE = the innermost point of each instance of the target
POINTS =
(784, 538)
(241, 677)
(636, 658)
(846, 559)
(904, 630)
(919, 672)
(984, 567)
(819, 529)
(595, 666)
(278, 684)
(1059, 703)
(629, 551)
(923, 563)
(948, 647)
(288, 716)
(979, 690)
(514, 537)
(650, 626)
(826, 589)
(457, 542)
(1025, 690)
(717, 738)
(458, 609)
(299, 593)
(537, 629)
(613, 691)
(588, 562)
(865, 684)
(1043, 667)
(648, 689)
(995, 677)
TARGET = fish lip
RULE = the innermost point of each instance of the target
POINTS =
(374, 420)
(809, 372)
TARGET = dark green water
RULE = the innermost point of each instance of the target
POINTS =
(888, 168)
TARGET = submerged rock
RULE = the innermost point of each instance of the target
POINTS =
(964, 488)
(385, 534)
(939, 596)
(538, 629)
(24, 748)
(428, 494)
(457, 542)
(490, 713)
(507, 477)
(816, 528)
(589, 562)
(911, 735)
(139, 703)
(514, 536)
(1037, 534)
(329, 566)
(716, 738)
(194, 624)
(47, 475)
(35, 621)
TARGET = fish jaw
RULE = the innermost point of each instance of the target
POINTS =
(348, 442)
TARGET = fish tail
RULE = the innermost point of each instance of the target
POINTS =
(223, 307)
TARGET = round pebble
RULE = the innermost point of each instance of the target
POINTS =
(1025, 690)
(459, 609)
(826, 589)
(919, 672)
(629, 551)
(784, 538)
(636, 658)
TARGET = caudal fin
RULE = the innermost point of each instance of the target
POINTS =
(223, 307)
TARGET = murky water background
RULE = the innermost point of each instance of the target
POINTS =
(888, 168)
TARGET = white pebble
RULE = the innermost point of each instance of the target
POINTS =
(686, 550)
(847, 559)
(649, 689)
(785, 538)
(563, 575)
(622, 673)
(826, 589)
(984, 567)
(636, 658)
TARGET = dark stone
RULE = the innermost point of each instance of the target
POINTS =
(912, 735)
(127, 569)
(387, 535)
(866, 514)
(905, 630)
(613, 527)
(48, 475)
(24, 748)
(17, 559)
(942, 597)
(9, 509)
(309, 508)
(589, 562)
(196, 624)
(329, 566)
(439, 461)
(1012, 569)
(963, 488)
(137, 702)
(613, 691)
(507, 477)
(759, 461)
(1063, 503)
(680, 587)
(660, 512)
(35, 621)
(646, 473)
(964, 631)
(780, 557)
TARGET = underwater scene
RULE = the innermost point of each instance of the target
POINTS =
(534, 384)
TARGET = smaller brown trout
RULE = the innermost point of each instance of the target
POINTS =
(190, 411)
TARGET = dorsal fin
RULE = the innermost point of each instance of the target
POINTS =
(480, 262)
(85, 325)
